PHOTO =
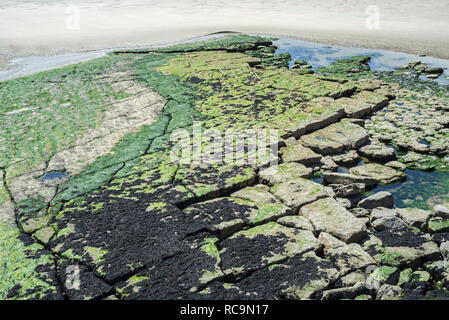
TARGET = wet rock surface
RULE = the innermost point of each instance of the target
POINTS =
(121, 219)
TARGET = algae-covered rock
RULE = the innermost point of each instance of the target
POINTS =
(350, 257)
(336, 138)
(28, 270)
(385, 175)
(299, 153)
(284, 172)
(327, 215)
(299, 192)
(263, 245)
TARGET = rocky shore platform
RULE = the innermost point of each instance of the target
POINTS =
(92, 205)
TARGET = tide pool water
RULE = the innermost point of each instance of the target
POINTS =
(319, 55)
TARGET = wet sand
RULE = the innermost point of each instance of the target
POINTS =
(48, 27)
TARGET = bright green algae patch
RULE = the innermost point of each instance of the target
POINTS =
(46, 112)
(25, 269)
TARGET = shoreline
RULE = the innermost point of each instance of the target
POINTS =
(61, 58)
(50, 27)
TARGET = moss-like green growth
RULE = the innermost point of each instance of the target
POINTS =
(24, 268)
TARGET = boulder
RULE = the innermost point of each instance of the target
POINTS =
(327, 215)
(379, 199)
(444, 248)
(438, 225)
(441, 210)
(347, 190)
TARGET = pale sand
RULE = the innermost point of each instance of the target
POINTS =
(39, 27)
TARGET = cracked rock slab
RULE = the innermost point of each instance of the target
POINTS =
(298, 192)
(383, 174)
(327, 215)
(224, 216)
(263, 245)
(336, 138)
(284, 172)
(300, 277)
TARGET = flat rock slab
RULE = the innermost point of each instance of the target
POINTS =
(259, 193)
(336, 138)
(383, 174)
(347, 179)
(362, 103)
(403, 248)
(329, 216)
(284, 172)
(378, 152)
(263, 245)
(299, 153)
(350, 257)
(299, 192)
(225, 216)
(301, 277)
(176, 277)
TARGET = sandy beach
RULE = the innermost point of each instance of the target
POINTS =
(47, 27)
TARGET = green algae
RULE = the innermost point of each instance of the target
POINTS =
(19, 267)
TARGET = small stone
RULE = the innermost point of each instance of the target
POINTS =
(351, 279)
(385, 275)
(405, 276)
(335, 138)
(420, 276)
(381, 212)
(345, 293)
(379, 199)
(438, 224)
(360, 212)
(389, 292)
(441, 210)
(44, 235)
(284, 172)
(329, 241)
(347, 190)
(348, 158)
(297, 222)
(444, 248)
(328, 164)
(396, 165)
